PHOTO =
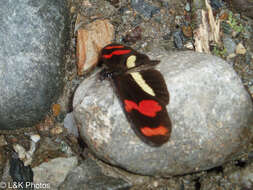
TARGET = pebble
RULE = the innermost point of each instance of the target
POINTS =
(31, 59)
(56, 108)
(35, 138)
(54, 172)
(240, 49)
(178, 39)
(26, 156)
(187, 7)
(56, 130)
(209, 109)
(229, 44)
(2, 141)
(70, 124)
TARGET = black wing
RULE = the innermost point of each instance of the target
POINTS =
(144, 97)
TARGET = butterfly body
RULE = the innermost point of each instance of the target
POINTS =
(141, 90)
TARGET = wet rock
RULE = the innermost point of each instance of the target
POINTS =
(144, 8)
(32, 37)
(88, 175)
(209, 109)
(53, 173)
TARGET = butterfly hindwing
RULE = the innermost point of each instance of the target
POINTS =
(146, 113)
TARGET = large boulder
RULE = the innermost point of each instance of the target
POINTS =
(32, 38)
(209, 108)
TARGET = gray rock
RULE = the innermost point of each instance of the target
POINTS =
(32, 38)
(88, 175)
(51, 174)
(209, 108)
(230, 45)
(70, 124)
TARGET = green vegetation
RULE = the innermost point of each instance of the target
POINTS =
(219, 51)
(234, 24)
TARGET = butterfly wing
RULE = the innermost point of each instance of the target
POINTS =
(144, 97)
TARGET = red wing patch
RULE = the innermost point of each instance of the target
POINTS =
(116, 52)
(160, 130)
(146, 107)
(114, 47)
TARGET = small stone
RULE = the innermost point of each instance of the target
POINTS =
(231, 56)
(240, 49)
(46, 125)
(205, 133)
(89, 43)
(56, 108)
(178, 39)
(187, 7)
(229, 44)
(56, 130)
(35, 138)
(20, 150)
(70, 124)
(187, 31)
(2, 141)
(54, 171)
(189, 45)
(144, 8)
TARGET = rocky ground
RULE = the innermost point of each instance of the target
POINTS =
(143, 25)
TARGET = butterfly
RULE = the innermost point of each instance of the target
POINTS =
(141, 89)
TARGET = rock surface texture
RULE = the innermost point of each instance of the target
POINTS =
(32, 36)
(88, 175)
(53, 173)
(209, 108)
